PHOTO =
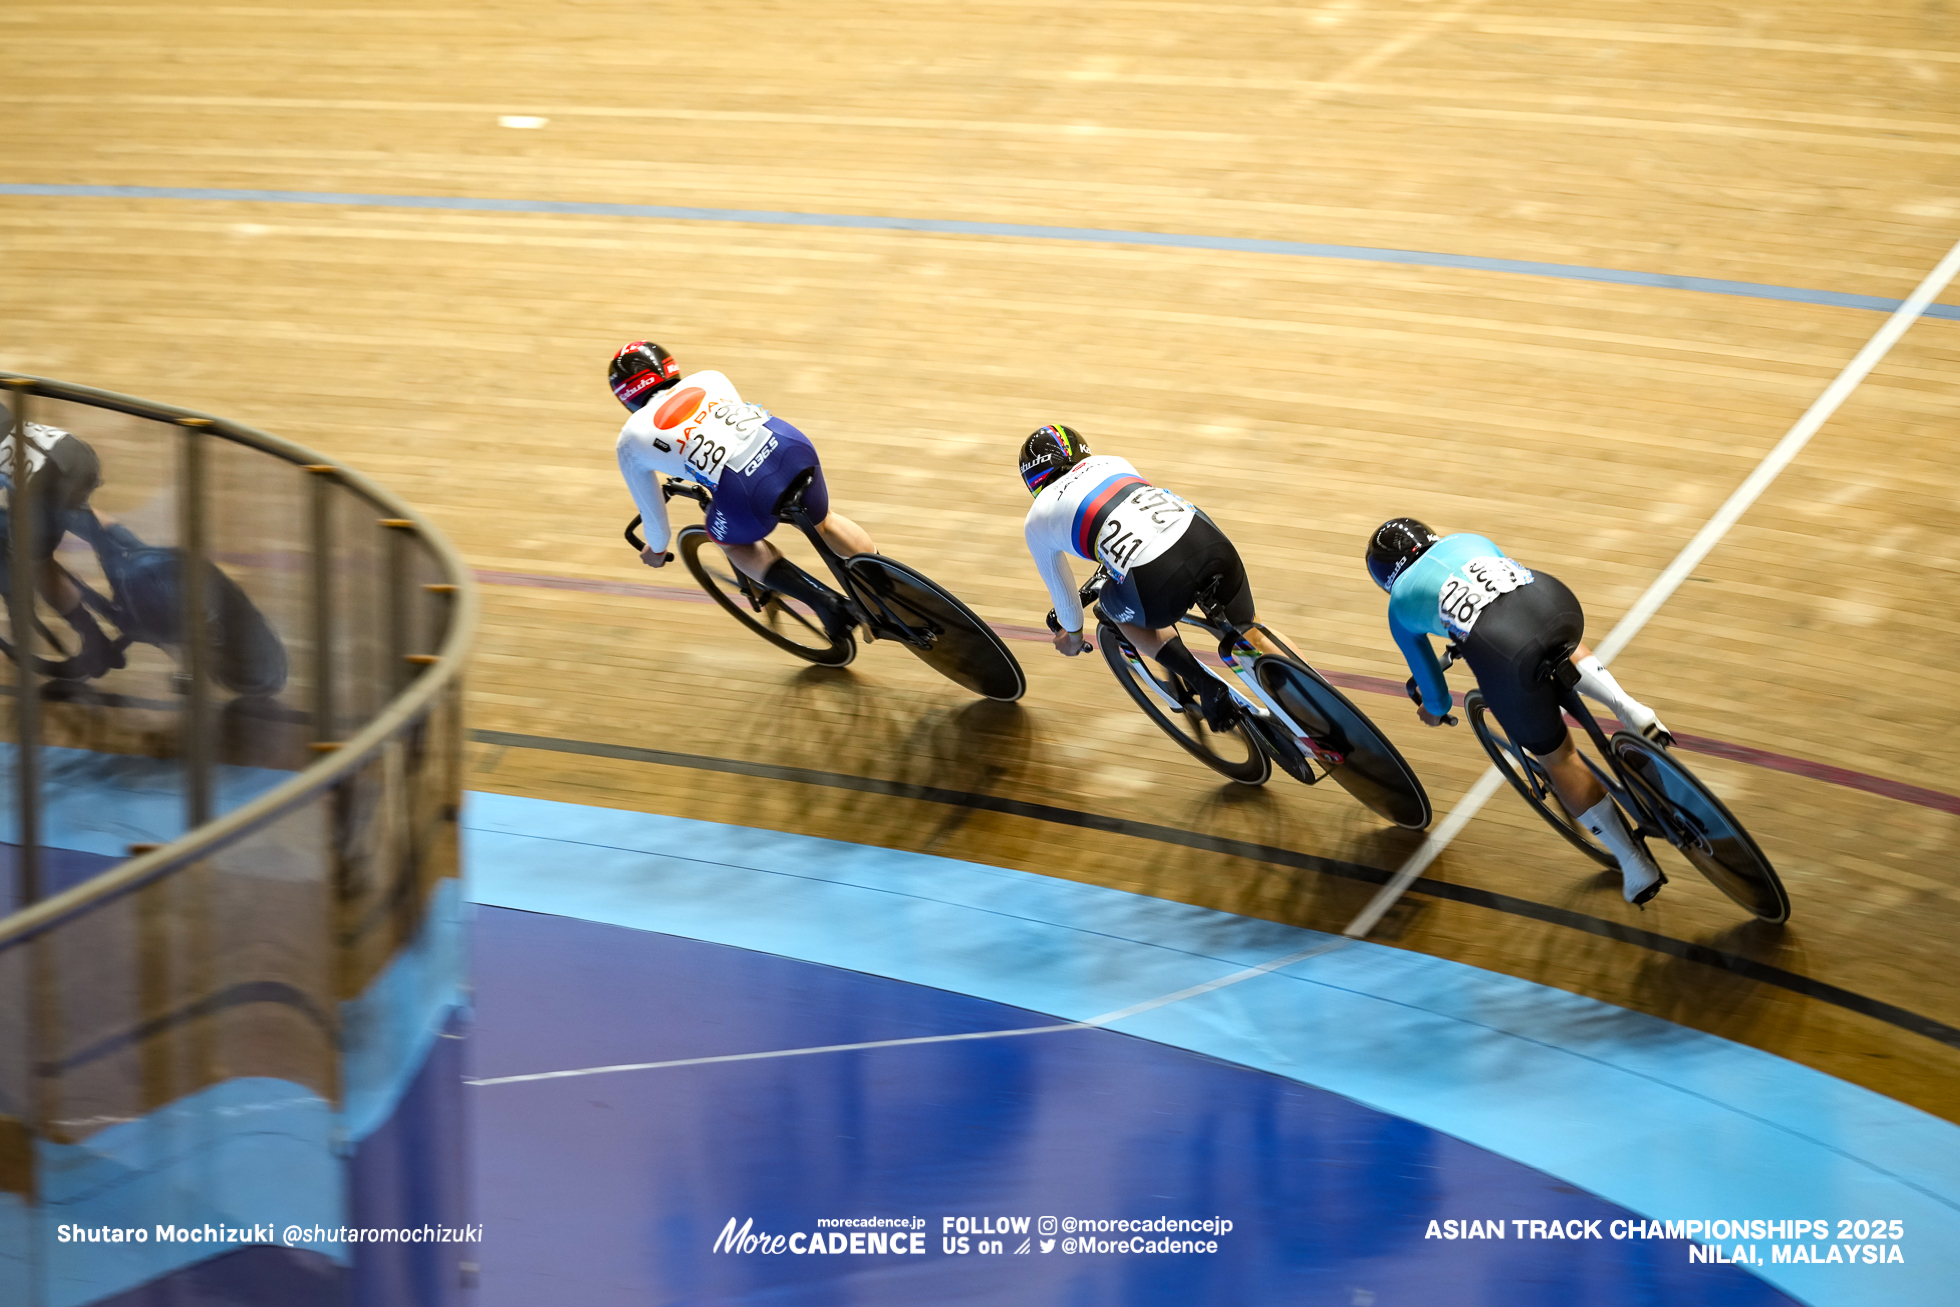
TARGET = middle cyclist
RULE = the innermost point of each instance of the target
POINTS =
(1160, 550)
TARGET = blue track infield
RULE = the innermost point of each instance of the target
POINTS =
(612, 1191)
(1467, 1067)
(959, 227)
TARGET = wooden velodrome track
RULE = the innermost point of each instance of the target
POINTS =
(1589, 427)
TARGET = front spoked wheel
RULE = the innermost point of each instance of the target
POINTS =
(789, 624)
(943, 632)
(1233, 754)
(1353, 749)
(1530, 779)
(1706, 832)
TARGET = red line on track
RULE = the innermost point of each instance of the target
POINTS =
(1743, 753)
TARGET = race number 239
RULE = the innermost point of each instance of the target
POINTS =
(1471, 588)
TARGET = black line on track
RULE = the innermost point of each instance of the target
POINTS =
(1735, 964)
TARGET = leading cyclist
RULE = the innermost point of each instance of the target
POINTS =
(1161, 552)
(1514, 627)
(705, 432)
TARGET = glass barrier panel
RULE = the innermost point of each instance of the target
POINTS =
(18, 1112)
(111, 701)
(276, 1025)
(359, 606)
(260, 614)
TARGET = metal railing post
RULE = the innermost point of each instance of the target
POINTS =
(192, 553)
(400, 536)
(22, 586)
(319, 510)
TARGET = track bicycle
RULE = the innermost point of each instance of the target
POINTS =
(880, 596)
(1659, 795)
(1286, 713)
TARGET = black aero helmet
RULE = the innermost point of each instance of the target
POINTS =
(640, 371)
(1397, 543)
(1049, 452)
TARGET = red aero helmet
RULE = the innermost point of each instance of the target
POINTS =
(640, 371)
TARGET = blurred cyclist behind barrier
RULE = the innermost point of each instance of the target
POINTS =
(63, 471)
(1514, 627)
(704, 431)
(1161, 552)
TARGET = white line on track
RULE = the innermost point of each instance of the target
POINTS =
(1093, 1023)
(1685, 562)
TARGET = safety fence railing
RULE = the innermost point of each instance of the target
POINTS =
(234, 754)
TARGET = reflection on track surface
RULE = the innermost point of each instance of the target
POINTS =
(614, 1188)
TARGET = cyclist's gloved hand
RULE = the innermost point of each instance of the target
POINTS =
(1428, 718)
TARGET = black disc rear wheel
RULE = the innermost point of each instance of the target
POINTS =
(943, 632)
(789, 624)
(1369, 767)
(1705, 831)
(1529, 778)
(1233, 754)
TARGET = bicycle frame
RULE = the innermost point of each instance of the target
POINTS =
(868, 608)
(1240, 657)
(1650, 818)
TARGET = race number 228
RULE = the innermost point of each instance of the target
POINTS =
(1471, 588)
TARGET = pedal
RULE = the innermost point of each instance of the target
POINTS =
(1326, 757)
(1646, 896)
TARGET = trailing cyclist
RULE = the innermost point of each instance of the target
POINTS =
(1161, 553)
(705, 432)
(1514, 627)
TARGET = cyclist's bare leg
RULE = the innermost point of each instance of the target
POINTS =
(1147, 642)
(755, 560)
(845, 536)
(1578, 789)
(1273, 644)
(838, 531)
(1144, 640)
(58, 589)
(1585, 799)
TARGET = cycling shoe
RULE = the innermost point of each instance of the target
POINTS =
(1215, 701)
(837, 620)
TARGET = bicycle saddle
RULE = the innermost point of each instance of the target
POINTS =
(1559, 669)
(790, 503)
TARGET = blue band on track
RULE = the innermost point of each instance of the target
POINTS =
(956, 227)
